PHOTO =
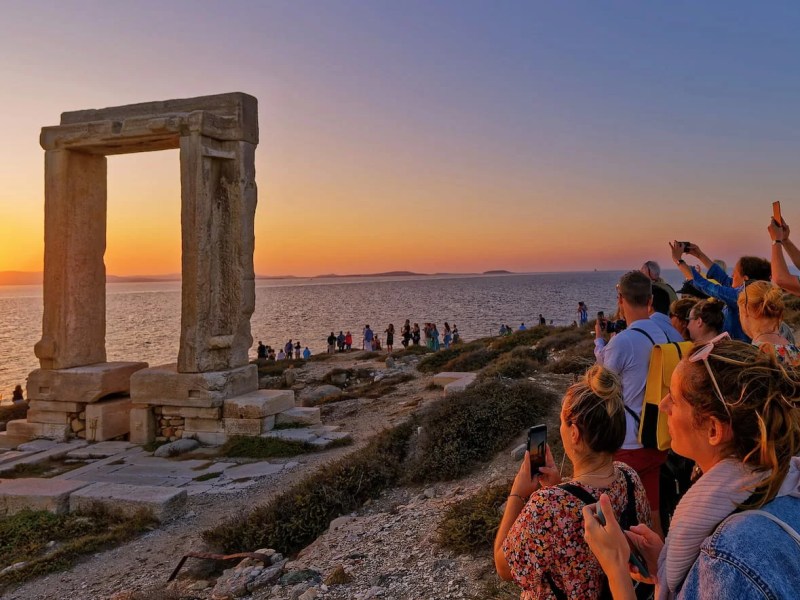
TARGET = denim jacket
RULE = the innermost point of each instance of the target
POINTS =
(749, 557)
(724, 291)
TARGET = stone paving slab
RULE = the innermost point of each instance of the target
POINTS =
(95, 467)
(37, 445)
(302, 415)
(138, 480)
(166, 503)
(101, 450)
(12, 455)
(302, 434)
(56, 452)
(251, 470)
(36, 494)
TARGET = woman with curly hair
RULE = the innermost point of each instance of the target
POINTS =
(735, 411)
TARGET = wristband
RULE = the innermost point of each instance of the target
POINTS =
(680, 261)
(777, 242)
(524, 500)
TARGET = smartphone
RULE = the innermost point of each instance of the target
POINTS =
(685, 245)
(537, 447)
(776, 213)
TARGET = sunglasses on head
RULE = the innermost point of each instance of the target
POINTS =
(702, 354)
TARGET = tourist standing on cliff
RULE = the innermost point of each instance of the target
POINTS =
(331, 343)
(542, 320)
(406, 333)
(306, 353)
(348, 341)
(448, 335)
(366, 343)
(583, 311)
(456, 335)
(389, 338)
(297, 349)
(288, 349)
(261, 353)
(340, 340)
(415, 334)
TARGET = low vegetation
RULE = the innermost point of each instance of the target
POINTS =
(294, 518)
(471, 427)
(469, 526)
(239, 446)
(25, 538)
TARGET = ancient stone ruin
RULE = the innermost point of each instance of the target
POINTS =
(212, 390)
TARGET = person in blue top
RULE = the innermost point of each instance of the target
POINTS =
(727, 288)
(522, 327)
(735, 411)
(583, 313)
(306, 353)
(368, 335)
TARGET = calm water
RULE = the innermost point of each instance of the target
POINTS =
(143, 319)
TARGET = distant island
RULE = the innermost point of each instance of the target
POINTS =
(35, 277)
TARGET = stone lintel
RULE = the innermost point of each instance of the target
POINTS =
(84, 384)
(164, 386)
(155, 125)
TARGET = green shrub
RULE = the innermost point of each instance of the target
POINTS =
(270, 447)
(575, 360)
(470, 361)
(412, 351)
(564, 339)
(469, 526)
(25, 535)
(434, 362)
(293, 519)
(472, 426)
(510, 367)
(529, 337)
(537, 354)
(321, 357)
(369, 355)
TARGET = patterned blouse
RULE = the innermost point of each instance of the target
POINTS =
(788, 354)
(548, 536)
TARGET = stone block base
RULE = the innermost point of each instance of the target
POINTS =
(8, 440)
(164, 386)
(443, 379)
(36, 494)
(299, 415)
(165, 502)
(22, 428)
(142, 425)
(108, 419)
(207, 438)
(459, 385)
(259, 404)
(81, 384)
(249, 427)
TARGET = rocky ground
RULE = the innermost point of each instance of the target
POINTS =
(386, 550)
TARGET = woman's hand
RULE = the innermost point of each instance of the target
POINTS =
(649, 544)
(549, 474)
(778, 232)
(524, 483)
(677, 250)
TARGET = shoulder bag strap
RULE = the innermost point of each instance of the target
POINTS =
(644, 333)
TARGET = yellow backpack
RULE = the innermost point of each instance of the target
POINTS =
(653, 431)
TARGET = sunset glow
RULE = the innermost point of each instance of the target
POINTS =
(433, 138)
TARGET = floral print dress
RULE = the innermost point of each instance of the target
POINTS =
(548, 537)
(788, 354)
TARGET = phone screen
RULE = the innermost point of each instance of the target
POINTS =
(776, 213)
(537, 447)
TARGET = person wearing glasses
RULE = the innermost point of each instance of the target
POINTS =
(706, 320)
(735, 410)
(679, 312)
(761, 311)
(719, 284)
(539, 543)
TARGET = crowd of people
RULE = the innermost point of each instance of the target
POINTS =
(730, 528)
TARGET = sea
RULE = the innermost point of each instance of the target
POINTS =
(143, 319)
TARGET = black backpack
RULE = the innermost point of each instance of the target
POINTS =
(627, 519)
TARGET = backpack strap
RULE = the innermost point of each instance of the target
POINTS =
(630, 411)
(645, 334)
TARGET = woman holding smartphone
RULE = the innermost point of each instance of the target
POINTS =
(735, 411)
(540, 541)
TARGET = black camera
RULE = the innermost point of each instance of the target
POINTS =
(616, 326)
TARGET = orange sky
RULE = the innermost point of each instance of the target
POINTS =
(447, 140)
